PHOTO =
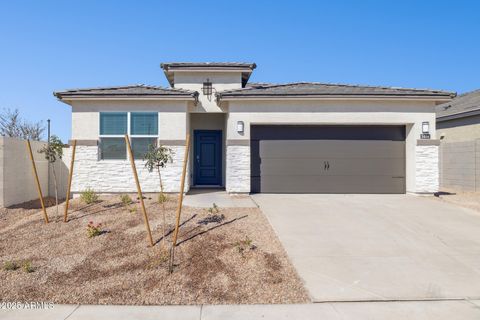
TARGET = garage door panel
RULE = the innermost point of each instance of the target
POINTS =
(328, 184)
(328, 159)
(328, 132)
(332, 166)
(330, 148)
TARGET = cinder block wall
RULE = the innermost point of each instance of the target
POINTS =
(17, 182)
(460, 166)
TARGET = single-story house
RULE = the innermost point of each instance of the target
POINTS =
(257, 137)
(459, 119)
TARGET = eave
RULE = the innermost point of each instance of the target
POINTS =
(333, 97)
(104, 97)
(459, 115)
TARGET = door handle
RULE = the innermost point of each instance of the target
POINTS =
(326, 165)
(198, 158)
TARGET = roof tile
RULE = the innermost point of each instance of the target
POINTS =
(464, 103)
(326, 89)
(129, 90)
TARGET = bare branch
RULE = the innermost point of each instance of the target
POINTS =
(12, 125)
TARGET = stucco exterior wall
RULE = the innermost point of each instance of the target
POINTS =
(176, 119)
(86, 117)
(464, 129)
(409, 113)
(17, 182)
(220, 81)
(110, 176)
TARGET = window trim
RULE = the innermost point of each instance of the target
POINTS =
(130, 136)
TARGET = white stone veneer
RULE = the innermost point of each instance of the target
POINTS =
(110, 176)
(426, 169)
(238, 169)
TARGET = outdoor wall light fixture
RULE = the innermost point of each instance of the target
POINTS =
(425, 127)
(207, 88)
(240, 126)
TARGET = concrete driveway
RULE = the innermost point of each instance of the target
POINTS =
(378, 247)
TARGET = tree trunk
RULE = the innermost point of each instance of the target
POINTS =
(163, 208)
(56, 188)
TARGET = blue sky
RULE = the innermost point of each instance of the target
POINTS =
(53, 45)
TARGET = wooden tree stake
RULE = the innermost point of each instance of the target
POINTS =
(180, 201)
(67, 201)
(139, 190)
(39, 188)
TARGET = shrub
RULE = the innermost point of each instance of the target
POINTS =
(53, 151)
(162, 197)
(132, 209)
(214, 209)
(94, 230)
(126, 200)
(245, 245)
(10, 266)
(27, 266)
(88, 196)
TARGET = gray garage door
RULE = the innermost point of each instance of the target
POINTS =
(327, 159)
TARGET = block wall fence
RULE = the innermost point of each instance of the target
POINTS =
(460, 166)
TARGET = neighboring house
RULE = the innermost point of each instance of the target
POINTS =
(458, 127)
(247, 137)
(459, 119)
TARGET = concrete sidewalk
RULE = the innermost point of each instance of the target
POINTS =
(418, 310)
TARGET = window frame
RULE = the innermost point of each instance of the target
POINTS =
(130, 136)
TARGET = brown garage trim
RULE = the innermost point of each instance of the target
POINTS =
(88, 143)
(172, 142)
(428, 142)
(238, 142)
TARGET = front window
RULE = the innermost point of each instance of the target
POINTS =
(140, 146)
(142, 127)
(113, 149)
(144, 123)
(144, 131)
(113, 123)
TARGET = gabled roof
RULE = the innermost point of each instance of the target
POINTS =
(245, 68)
(137, 90)
(465, 105)
(319, 90)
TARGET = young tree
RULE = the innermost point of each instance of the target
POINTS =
(53, 151)
(159, 157)
(12, 125)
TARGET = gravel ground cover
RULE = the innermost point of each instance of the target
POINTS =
(228, 257)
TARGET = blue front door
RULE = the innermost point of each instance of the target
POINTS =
(208, 157)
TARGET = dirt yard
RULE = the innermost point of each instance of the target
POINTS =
(228, 257)
(469, 200)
